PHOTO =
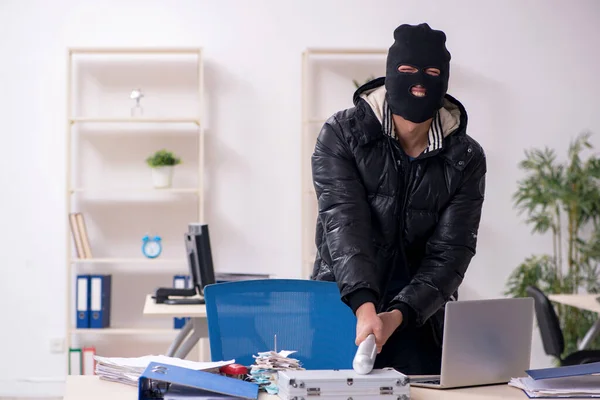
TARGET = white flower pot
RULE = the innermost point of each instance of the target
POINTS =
(162, 177)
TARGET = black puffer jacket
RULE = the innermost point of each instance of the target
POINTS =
(404, 231)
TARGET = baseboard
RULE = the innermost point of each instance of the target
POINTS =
(33, 387)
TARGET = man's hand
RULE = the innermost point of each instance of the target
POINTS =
(367, 322)
(391, 321)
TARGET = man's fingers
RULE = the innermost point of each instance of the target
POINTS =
(378, 332)
(360, 337)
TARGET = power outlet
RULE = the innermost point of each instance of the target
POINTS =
(57, 345)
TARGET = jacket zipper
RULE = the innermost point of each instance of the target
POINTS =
(403, 182)
(408, 179)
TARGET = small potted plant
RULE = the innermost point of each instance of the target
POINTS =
(162, 163)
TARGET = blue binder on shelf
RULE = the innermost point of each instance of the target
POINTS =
(100, 291)
(181, 282)
(162, 381)
(82, 306)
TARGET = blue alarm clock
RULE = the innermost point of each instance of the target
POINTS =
(151, 246)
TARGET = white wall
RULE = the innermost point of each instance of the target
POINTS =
(525, 70)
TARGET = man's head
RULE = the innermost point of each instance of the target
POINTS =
(417, 72)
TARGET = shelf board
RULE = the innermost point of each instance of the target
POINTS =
(135, 50)
(315, 121)
(128, 261)
(134, 190)
(159, 120)
(348, 51)
(124, 331)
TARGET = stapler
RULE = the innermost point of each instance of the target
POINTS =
(162, 296)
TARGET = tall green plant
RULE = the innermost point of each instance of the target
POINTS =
(563, 200)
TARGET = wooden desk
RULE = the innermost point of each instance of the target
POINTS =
(194, 331)
(586, 302)
(173, 310)
(582, 301)
(92, 388)
(495, 392)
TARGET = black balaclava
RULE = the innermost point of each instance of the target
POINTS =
(420, 47)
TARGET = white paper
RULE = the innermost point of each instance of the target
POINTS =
(128, 370)
(586, 385)
(142, 362)
(286, 353)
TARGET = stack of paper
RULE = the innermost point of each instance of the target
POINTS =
(271, 360)
(578, 381)
(128, 370)
(264, 370)
(575, 386)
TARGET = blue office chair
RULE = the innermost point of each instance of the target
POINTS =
(306, 316)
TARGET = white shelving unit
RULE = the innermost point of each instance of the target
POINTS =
(124, 331)
(327, 87)
(118, 200)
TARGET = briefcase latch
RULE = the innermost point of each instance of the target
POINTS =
(313, 391)
(386, 390)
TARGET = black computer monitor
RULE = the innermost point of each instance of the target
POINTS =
(199, 256)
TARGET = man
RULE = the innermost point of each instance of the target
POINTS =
(400, 188)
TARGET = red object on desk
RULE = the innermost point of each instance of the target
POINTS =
(234, 371)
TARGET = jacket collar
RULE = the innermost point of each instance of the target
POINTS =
(369, 126)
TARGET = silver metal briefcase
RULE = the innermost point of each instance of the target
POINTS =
(382, 384)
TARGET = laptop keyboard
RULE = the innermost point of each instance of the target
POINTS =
(430, 382)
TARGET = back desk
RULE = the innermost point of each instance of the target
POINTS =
(92, 388)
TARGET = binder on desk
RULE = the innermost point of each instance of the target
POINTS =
(75, 364)
(160, 381)
(564, 372)
(100, 289)
(83, 301)
(87, 360)
(577, 381)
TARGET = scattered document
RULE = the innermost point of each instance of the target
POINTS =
(128, 370)
(573, 386)
(273, 361)
(265, 367)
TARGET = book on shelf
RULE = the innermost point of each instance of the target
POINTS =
(93, 301)
(80, 236)
(82, 361)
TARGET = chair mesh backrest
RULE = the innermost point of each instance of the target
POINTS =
(307, 316)
(552, 337)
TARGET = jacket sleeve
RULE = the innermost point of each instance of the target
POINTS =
(345, 216)
(449, 250)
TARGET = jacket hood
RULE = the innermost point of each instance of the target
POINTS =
(451, 118)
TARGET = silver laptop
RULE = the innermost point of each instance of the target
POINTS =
(485, 342)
